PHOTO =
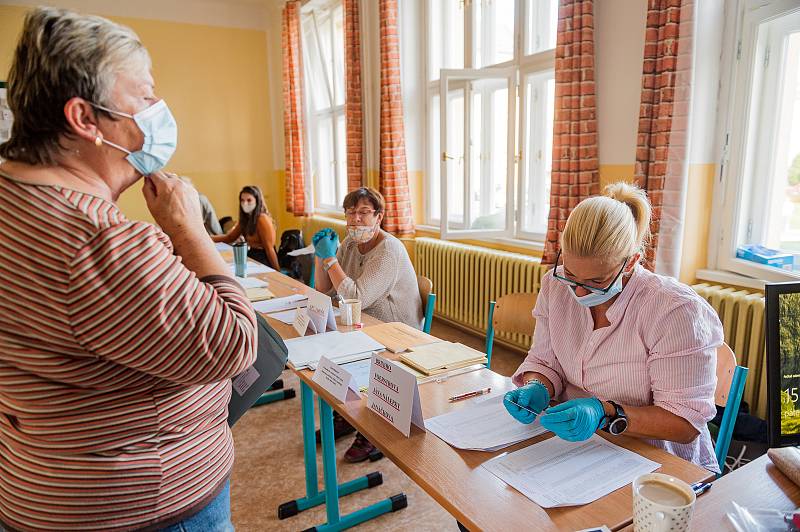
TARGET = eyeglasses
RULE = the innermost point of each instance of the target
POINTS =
(363, 213)
(593, 289)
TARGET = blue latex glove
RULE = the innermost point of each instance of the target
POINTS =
(574, 420)
(325, 247)
(319, 235)
(533, 396)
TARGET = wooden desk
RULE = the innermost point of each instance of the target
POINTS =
(454, 477)
(758, 484)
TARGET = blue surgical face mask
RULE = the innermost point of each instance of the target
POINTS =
(594, 299)
(160, 137)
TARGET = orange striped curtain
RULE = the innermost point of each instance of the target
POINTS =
(575, 175)
(353, 102)
(661, 146)
(393, 172)
(296, 202)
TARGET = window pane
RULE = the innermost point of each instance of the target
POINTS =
(541, 24)
(494, 32)
(539, 90)
(434, 160)
(316, 87)
(341, 159)
(446, 36)
(478, 153)
(455, 150)
(783, 228)
(326, 182)
(338, 56)
(493, 209)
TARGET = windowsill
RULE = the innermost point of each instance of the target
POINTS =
(433, 231)
(735, 279)
(321, 213)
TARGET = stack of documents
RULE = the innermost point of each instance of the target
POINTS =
(339, 347)
(258, 294)
(253, 268)
(399, 337)
(441, 357)
(255, 288)
(251, 282)
(482, 426)
(280, 304)
(557, 472)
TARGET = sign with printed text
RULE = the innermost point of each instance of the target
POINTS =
(318, 315)
(393, 395)
(336, 380)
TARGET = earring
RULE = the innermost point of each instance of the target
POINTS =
(98, 141)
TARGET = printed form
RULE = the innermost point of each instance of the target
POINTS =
(557, 472)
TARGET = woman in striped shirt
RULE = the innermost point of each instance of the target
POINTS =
(628, 351)
(117, 338)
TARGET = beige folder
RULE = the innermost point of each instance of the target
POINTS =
(441, 357)
(398, 337)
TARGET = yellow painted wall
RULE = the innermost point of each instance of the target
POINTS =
(215, 82)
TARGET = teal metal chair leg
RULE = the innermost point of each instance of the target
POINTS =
(426, 327)
(729, 417)
(335, 520)
(490, 335)
(312, 281)
(314, 497)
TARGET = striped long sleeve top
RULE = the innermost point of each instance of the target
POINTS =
(115, 363)
(659, 349)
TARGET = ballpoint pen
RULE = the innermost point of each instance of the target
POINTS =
(700, 487)
(469, 394)
(525, 409)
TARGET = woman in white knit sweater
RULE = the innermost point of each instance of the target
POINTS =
(372, 266)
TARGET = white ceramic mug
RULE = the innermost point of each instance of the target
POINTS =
(351, 311)
(661, 503)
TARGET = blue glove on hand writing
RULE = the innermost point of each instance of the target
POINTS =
(325, 246)
(533, 396)
(574, 420)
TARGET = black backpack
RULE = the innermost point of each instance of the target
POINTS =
(295, 267)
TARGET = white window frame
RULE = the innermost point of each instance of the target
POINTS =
(521, 65)
(463, 77)
(334, 112)
(736, 152)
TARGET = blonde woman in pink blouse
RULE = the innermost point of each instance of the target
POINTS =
(622, 349)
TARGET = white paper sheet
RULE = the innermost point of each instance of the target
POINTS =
(307, 350)
(484, 425)
(253, 268)
(360, 372)
(557, 472)
(308, 250)
(279, 304)
(222, 246)
(288, 316)
(251, 282)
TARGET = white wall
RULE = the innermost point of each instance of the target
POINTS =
(228, 14)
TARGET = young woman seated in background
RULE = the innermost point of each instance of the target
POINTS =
(257, 227)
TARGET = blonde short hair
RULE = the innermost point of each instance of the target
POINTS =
(611, 227)
(61, 55)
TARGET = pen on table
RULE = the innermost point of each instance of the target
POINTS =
(701, 487)
(467, 395)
